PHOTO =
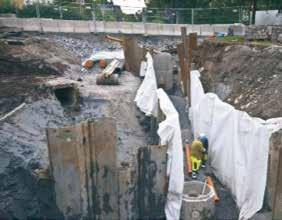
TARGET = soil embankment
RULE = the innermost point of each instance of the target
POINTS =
(246, 76)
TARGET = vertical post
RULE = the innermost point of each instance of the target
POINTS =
(37, 9)
(254, 8)
(192, 45)
(240, 14)
(185, 72)
(277, 204)
(61, 12)
(192, 16)
(152, 181)
(144, 15)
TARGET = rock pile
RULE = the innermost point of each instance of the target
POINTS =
(260, 32)
(264, 32)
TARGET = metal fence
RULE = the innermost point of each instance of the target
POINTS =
(226, 15)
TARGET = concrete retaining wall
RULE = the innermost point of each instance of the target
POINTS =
(70, 26)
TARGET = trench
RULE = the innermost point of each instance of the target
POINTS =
(27, 189)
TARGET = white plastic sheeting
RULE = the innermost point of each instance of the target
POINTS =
(146, 98)
(170, 134)
(239, 146)
(169, 131)
(106, 55)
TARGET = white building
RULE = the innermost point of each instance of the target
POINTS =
(30, 2)
(130, 6)
(271, 17)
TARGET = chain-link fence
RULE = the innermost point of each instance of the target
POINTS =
(107, 12)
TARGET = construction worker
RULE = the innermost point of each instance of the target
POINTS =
(197, 151)
(203, 138)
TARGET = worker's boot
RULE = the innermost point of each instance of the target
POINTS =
(194, 175)
(203, 165)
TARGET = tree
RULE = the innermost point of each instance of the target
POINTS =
(19, 4)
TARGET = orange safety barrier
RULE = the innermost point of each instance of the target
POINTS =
(188, 160)
(210, 183)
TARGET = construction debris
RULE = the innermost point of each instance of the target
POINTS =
(88, 64)
(103, 64)
(107, 77)
(12, 112)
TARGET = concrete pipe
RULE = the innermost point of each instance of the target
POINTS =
(198, 201)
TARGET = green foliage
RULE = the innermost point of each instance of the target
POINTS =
(160, 11)
(6, 6)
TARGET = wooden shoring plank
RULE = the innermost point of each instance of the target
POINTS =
(152, 181)
(185, 59)
(104, 138)
(184, 41)
(193, 41)
(68, 165)
(127, 199)
(182, 77)
(275, 145)
(277, 205)
(133, 55)
(83, 165)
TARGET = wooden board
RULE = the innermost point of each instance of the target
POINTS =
(274, 176)
(182, 79)
(103, 137)
(152, 182)
(83, 165)
(66, 154)
(127, 196)
(133, 55)
(277, 204)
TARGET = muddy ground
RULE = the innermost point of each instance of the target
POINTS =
(23, 145)
(241, 75)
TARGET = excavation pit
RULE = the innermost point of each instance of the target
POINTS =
(197, 201)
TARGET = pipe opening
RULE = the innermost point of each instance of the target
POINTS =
(66, 96)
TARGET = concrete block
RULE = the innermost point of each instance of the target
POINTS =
(206, 29)
(223, 28)
(49, 25)
(196, 29)
(71, 26)
(11, 22)
(92, 26)
(81, 26)
(124, 27)
(138, 28)
(112, 27)
(65, 26)
(166, 29)
(31, 24)
(152, 28)
(99, 26)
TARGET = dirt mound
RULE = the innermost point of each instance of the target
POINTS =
(247, 77)
(25, 67)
